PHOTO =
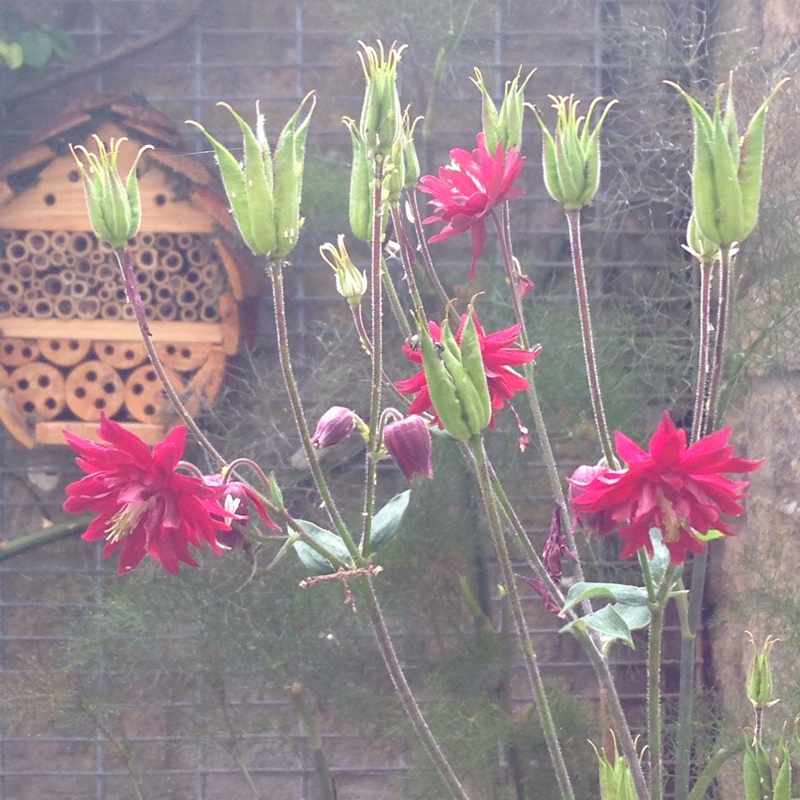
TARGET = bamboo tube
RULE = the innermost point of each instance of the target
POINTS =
(175, 283)
(146, 258)
(5, 305)
(211, 273)
(127, 312)
(144, 394)
(31, 295)
(52, 285)
(81, 243)
(110, 310)
(43, 308)
(79, 288)
(188, 297)
(88, 308)
(15, 352)
(166, 311)
(70, 260)
(184, 241)
(184, 357)
(173, 261)
(37, 241)
(146, 239)
(60, 241)
(164, 294)
(209, 314)
(17, 251)
(209, 295)
(6, 269)
(188, 314)
(103, 246)
(64, 352)
(21, 308)
(12, 289)
(64, 307)
(104, 294)
(164, 242)
(120, 355)
(96, 257)
(192, 277)
(94, 388)
(106, 273)
(25, 270)
(196, 256)
(142, 278)
(146, 296)
(42, 262)
(160, 275)
(83, 268)
(38, 389)
(57, 258)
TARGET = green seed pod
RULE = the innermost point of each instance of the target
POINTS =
(114, 206)
(361, 186)
(442, 389)
(783, 781)
(472, 359)
(571, 158)
(471, 405)
(759, 676)
(726, 174)
(757, 773)
(411, 167)
(489, 115)
(381, 115)
(289, 165)
(504, 125)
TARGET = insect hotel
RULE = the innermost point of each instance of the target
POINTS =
(69, 344)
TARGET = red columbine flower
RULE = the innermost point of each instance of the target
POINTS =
(466, 192)
(498, 359)
(679, 490)
(142, 504)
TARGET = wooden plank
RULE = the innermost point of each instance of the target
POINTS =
(52, 432)
(109, 330)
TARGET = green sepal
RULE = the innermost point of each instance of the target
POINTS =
(757, 773)
(489, 114)
(466, 392)
(361, 186)
(472, 360)
(782, 789)
(313, 561)
(386, 523)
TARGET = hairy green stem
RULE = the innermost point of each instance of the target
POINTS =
(520, 624)
(706, 272)
(406, 696)
(55, 533)
(276, 273)
(326, 784)
(590, 358)
(376, 358)
(654, 731)
(686, 692)
(408, 267)
(131, 287)
(425, 253)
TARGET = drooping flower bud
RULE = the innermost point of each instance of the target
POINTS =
(504, 125)
(545, 595)
(115, 208)
(759, 676)
(381, 116)
(556, 547)
(333, 426)
(350, 283)
(726, 174)
(572, 157)
(265, 190)
(408, 442)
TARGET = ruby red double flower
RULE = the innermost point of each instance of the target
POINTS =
(679, 490)
(143, 505)
(499, 356)
(466, 191)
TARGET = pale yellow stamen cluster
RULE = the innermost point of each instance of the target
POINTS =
(125, 520)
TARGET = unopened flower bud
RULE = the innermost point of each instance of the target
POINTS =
(545, 595)
(572, 157)
(333, 426)
(115, 209)
(350, 283)
(759, 676)
(408, 442)
(556, 547)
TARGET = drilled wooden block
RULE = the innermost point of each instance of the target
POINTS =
(121, 355)
(14, 352)
(94, 388)
(183, 357)
(64, 352)
(38, 389)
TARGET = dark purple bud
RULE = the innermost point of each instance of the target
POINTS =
(544, 593)
(333, 426)
(578, 483)
(556, 547)
(526, 285)
(409, 443)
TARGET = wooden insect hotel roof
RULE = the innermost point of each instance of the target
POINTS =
(69, 346)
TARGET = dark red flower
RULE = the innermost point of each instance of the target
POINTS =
(237, 500)
(681, 491)
(469, 188)
(499, 356)
(143, 505)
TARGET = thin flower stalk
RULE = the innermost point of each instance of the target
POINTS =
(131, 287)
(574, 223)
(394, 301)
(276, 273)
(408, 268)
(706, 273)
(403, 690)
(376, 357)
(520, 624)
(504, 231)
(683, 742)
(425, 253)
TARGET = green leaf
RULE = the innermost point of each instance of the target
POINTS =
(12, 53)
(387, 521)
(635, 616)
(621, 592)
(661, 557)
(63, 44)
(708, 537)
(609, 623)
(37, 47)
(315, 563)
